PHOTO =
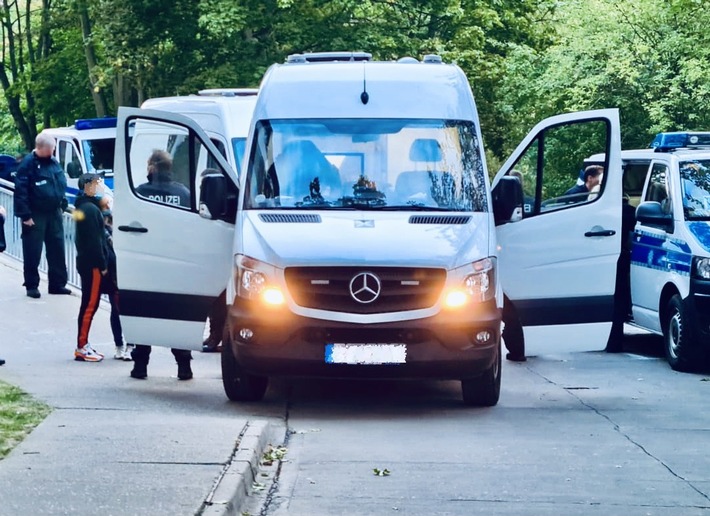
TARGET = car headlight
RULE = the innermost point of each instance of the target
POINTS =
(256, 280)
(478, 283)
(701, 267)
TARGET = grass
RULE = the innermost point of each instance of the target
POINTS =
(19, 414)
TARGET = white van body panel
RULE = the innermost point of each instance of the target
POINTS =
(293, 92)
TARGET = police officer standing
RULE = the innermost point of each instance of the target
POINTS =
(163, 189)
(40, 186)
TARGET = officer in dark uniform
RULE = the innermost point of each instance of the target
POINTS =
(40, 186)
(163, 189)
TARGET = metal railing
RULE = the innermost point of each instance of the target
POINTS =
(13, 235)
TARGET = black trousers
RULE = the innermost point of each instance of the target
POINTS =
(48, 230)
(141, 354)
(108, 287)
(218, 317)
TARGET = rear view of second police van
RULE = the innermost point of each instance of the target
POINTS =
(365, 240)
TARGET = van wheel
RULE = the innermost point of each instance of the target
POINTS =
(483, 390)
(677, 336)
(238, 385)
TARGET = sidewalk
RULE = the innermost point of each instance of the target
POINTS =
(114, 445)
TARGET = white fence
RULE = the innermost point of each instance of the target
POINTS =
(13, 235)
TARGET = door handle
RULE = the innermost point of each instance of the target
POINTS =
(133, 229)
(600, 233)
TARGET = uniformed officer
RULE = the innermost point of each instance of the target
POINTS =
(40, 186)
(161, 188)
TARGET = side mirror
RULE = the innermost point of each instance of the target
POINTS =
(74, 169)
(651, 213)
(507, 200)
(218, 198)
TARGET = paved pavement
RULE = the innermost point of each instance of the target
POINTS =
(114, 445)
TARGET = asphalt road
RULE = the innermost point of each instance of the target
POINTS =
(574, 434)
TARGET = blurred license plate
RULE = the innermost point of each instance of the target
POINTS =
(365, 354)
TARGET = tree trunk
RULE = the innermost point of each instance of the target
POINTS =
(96, 92)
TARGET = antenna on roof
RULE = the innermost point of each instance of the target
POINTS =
(364, 96)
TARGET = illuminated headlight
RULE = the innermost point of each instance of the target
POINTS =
(478, 285)
(701, 268)
(256, 280)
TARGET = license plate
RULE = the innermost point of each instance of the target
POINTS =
(365, 354)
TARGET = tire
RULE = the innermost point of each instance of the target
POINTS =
(483, 390)
(238, 385)
(678, 338)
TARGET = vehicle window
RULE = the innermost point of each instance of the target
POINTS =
(166, 163)
(239, 145)
(552, 169)
(99, 155)
(427, 165)
(68, 157)
(695, 185)
(634, 179)
(658, 187)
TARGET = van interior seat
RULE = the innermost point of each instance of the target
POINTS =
(299, 163)
(416, 185)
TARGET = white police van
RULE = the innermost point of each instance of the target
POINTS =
(86, 147)
(361, 237)
(223, 113)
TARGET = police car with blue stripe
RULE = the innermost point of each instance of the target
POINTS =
(670, 244)
(86, 147)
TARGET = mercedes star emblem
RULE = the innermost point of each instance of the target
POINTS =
(365, 287)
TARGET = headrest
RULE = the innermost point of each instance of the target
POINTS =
(425, 149)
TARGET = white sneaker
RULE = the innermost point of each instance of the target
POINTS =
(127, 353)
(87, 354)
(123, 353)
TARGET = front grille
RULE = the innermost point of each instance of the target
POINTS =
(401, 288)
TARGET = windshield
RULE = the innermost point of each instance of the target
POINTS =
(695, 182)
(99, 155)
(423, 165)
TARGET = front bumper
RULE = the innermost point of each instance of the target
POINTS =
(443, 346)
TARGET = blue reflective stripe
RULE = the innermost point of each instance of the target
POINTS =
(661, 253)
(701, 231)
(329, 354)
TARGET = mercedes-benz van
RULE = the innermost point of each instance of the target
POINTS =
(360, 239)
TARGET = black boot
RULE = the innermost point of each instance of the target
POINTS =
(184, 370)
(140, 370)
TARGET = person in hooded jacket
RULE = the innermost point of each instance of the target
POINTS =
(92, 260)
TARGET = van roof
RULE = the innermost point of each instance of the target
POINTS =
(365, 89)
(216, 111)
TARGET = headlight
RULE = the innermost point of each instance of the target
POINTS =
(701, 267)
(478, 284)
(256, 280)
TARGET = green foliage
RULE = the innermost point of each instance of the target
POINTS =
(19, 414)
(525, 59)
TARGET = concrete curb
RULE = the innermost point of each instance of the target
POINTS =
(234, 486)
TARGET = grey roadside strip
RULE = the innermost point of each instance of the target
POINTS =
(234, 484)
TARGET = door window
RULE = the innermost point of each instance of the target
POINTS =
(658, 187)
(167, 162)
(68, 158)
(552, 169)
